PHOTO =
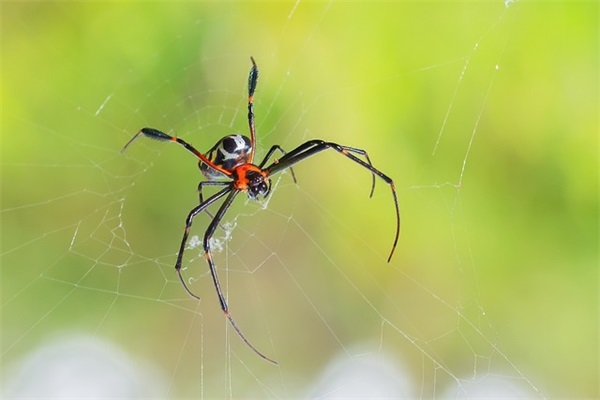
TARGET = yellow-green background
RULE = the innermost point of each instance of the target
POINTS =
(497, 262)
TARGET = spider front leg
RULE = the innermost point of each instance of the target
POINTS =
(366, 156)
(270, 153)
(315, 146)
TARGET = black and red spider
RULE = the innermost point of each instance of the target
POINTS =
(229, 163)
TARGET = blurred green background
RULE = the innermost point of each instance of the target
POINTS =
(486, 117)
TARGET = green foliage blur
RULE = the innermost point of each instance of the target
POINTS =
(485, 115)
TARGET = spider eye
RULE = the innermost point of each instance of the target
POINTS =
(258, 185)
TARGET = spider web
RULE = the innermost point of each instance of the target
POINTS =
(495, 174)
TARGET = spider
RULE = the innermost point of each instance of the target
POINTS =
(230, 164)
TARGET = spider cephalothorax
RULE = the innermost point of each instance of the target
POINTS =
(252, 180)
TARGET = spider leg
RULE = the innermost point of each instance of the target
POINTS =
(201, 197)
(270, 153)
(188, 224)
(252, 82)
(163, 137)
(313, 147)
(363, 153)
(207, 236)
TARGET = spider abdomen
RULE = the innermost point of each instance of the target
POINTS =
(228, 153)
